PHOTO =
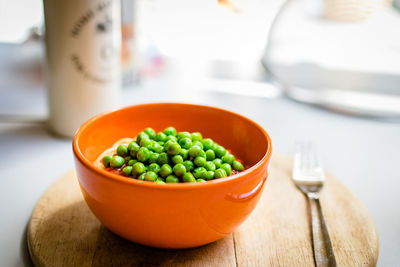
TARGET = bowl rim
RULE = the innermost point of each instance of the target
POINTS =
(118, 178)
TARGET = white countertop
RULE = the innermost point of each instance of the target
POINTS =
(363, 154)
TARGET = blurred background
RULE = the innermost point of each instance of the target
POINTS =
(343, 55)
(195, 39)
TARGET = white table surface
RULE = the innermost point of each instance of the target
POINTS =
(363, 154)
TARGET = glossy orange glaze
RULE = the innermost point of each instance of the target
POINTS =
(172, 215)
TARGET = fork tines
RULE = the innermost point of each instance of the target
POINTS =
(307, 165)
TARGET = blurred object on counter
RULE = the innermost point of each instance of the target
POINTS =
(21, 82)
(205, 30)
(83, 42)
(228, 4)
(151, 60)
(17, 18)
(349, 67)
(129, 48)
(396, 4)
(35, 34)
(352, 10)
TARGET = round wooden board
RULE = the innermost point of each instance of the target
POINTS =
(63, 232)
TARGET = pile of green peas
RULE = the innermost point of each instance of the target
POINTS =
(172, 157)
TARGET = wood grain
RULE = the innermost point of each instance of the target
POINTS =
(278, 233)
(63, 231)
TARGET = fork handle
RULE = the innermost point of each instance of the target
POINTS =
(323, 251)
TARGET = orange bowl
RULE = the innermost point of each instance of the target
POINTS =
(180, 215)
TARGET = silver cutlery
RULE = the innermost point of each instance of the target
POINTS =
(309, 177)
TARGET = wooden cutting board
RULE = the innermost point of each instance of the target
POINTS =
(63, 231)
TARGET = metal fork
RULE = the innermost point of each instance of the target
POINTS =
(309, 177)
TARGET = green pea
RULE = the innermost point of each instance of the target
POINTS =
(198, 143)
(218, 163)
(143, 154)
(166, 144)
(210, 166)
(133, 143)
(159, 181)
(141, 177)
(220, 151)
(185, 142)
(153, 157)
(210, 155)
(194, 151)
(189, 154)
(172, 179)
(133, 148)
(150, 176)
(141, 136)
(207, 143)
(227, 168)
(188, 165)
(184, 153)
(173, 148)
(172, 138)
(165, 170)
(237, 166)
(188, 178)
(170, 131)
(219, 173)
(208, 175)
(131, 162)
(199, 172)
(154, 167)
(196, 136)
(145, 142)
(228, 158)
(165, 147)
(202, 154)
(161, 137)
(127, 170)
(179, 169)
(150, 132)
(200, 180)
(177, 159)
(156, 147)
(183, 135)
(106, 161)
(200, 161)
(122, 150)
(163, 158)
(117, 161)
(214, 146)
(138, 168)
